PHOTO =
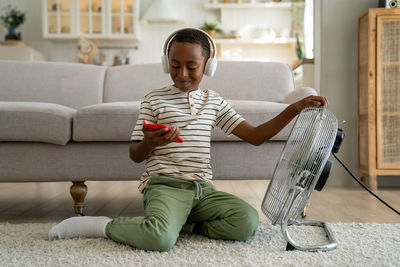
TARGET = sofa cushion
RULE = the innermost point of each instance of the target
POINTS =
(238, 80)
(69, 84)
(299, 94)
(256, 113)
(106, 122)
(35, 122)
(132, 82)
(251, 80)
(115, 121)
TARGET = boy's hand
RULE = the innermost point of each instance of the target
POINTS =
(160, 137)
(310, 101)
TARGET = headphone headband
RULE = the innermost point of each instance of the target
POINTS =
(211, 63)
(172, 35)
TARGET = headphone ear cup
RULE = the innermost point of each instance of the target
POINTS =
(211, 67)
(165, 63)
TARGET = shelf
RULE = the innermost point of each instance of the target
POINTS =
(14, 43)
(302, 61)
(125, 15)
(390, 114)
(391, 64)
(261, 41)
(93, 13)
(55, 13)
(90, 15)
(253, 5)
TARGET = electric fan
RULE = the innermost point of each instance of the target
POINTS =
(303, 166)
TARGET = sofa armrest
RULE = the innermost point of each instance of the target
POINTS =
(298, 94)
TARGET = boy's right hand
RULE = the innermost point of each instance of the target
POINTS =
(160, 137)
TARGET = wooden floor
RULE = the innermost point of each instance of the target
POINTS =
(51, 202)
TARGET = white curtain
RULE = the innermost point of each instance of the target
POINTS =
(309, 29)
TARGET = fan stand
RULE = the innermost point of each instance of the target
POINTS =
(291, 244)
(304, 213)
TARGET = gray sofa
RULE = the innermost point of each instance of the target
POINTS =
(72, 122)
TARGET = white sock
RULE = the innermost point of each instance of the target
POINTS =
(84, 226)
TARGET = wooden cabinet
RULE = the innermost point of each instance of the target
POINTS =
(379, 93)
(109, 19)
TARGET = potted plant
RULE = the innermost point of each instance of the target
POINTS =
(12, 19)
(212, 29)
(299, 48)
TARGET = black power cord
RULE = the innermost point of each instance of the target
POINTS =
(366, 188)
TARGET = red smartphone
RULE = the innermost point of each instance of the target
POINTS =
(154, 127)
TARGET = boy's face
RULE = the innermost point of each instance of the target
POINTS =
(186, 65)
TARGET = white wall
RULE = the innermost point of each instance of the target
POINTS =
(339, 77)
(32, 32)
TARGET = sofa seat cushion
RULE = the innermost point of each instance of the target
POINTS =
(256, 113)
(35, 122)
(115, 121)
(106, 122)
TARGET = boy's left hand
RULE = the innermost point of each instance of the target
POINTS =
(310, 101)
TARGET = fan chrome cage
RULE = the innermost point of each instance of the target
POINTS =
(300, 165)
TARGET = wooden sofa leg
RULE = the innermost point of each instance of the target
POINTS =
(78, 192)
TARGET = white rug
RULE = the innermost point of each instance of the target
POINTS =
(360, 244)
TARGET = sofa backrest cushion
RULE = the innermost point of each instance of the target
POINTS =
(69, 84)
(132, 82)
(252, 80)
(237, 80)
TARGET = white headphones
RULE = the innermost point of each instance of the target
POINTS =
(211, 64)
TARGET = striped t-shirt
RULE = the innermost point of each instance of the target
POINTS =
(195, 113)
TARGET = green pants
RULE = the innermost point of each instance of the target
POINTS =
(169, 203)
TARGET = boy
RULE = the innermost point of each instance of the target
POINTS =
(176, 186)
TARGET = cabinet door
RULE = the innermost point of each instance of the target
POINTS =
(123, 19)
(91, 18)
(57, 18)
(388, 92)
